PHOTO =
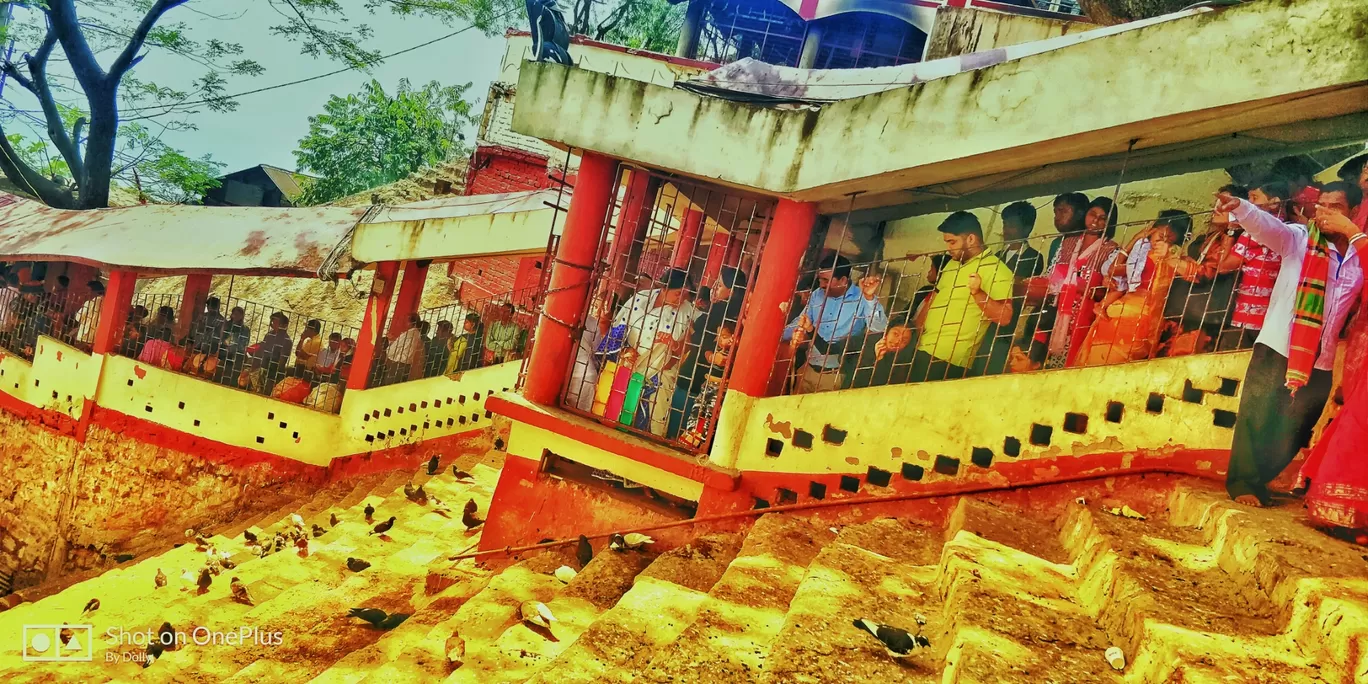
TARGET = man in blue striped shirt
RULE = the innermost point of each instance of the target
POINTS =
(835, 320)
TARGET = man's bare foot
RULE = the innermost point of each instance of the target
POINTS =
(1249, 500)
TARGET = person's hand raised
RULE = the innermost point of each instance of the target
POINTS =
(1226, 202)
(975, 284)
(1335, 223)
(869, 286)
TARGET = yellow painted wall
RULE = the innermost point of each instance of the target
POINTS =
(892, 425)
(60, 378)
(419, 410)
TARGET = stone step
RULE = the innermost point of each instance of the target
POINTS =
(731, 636)
(884, 571)
(662, 601)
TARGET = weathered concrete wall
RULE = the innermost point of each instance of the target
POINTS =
(962, 30)
(1074, 103)
(67, 506)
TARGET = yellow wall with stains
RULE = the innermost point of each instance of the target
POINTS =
(889, 426)
(60, 378)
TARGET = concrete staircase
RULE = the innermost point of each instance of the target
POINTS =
(1010, 590)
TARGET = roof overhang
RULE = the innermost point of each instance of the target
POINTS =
(1257, 80)
(444, 229)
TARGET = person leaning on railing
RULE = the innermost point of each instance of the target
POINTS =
(836, 315)
(505, 337)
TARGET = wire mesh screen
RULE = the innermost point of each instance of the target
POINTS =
(30, 311)
(251, 346)
(1008, 308)
(459, 337)
(668, 296)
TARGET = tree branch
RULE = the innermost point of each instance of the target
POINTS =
(62, 21)
(129, 57)
(56, 127)
(25, 178)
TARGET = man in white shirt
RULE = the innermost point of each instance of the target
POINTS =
(1274, 424)
(88, 319)
(399, 355)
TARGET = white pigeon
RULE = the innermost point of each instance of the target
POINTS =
(297, 520)
(188, 579)
(565, 573)
(536, 613)
(635, 541)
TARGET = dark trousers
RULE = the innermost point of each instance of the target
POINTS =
(1272, 426)
(927, 368)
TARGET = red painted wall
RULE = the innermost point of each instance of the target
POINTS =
(495, 169)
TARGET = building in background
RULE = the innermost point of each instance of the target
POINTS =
(257, 186)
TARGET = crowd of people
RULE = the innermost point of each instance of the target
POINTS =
(426, 351)
(30, 308)
(311, 371)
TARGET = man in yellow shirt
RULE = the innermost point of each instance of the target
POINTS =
(974, 290)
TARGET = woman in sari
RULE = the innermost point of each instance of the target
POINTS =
(1336, 474)
(1076, 281)
(1131, 317)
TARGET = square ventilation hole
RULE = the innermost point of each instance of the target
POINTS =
(817, 490)
(413, 407)
(413, 429)
(261, 440)
(759, 504)
(773, 447)
(387, 413)
(450, 421)
(850, 483)
(427, 424)
(1011, 447)
(399, 410)
(403, 431)
(833, 436)
(1041, 434)
(1224, 419)
(54, 396)
(802, 439)
(878, 478)
(1155, 403)
(1076, 423)
(436, 403)
(981, 457)
(912, 472)
(423, 404)
(1191, 394)
(35, 383)
(197, 422)
(284, 425)
(370, 438)
(181, 405)
(785, 496)
(295, 436)
(461, 398)
(1229, 387)
(376, 413)
(365, 417)
(475, 396)
(130, 382)
(489, 414)
(946, 465)
(474, 417)
(461, 420)
(389, 433)
(1115, 411)
(270, 415)
(148, 408)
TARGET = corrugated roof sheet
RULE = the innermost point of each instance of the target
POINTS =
(285, 179)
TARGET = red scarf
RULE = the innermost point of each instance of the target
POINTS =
(1308, 316)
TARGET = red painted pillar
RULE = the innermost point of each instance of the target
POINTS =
(192, 301)
(735, 245)
(410, 296)
(554, 351)
(633, 222)
(717, 256)
(372, 322)
(689, 236)
(118, 300)
(772, 289)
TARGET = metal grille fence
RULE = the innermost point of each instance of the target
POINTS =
(668, 297)
(251, 346)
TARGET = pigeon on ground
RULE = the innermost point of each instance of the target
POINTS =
(565, 573)
(187, 579)
(468, 516)
(227, 564)
(279, 542)
(160, 579)
(461, 475)
(205, 580)
(421, 495)
(370, 512)
(896, 641)
(302, 547)
(631, 542)
(583, 551)
(318, 531)
(378, 618)
(152, 653)
(434, 465)
(167, 636)
(332, 520)
(251, 538)
(409, 491)
(201, 544)
(91, 606)
(384, 526)
(240, 593)
(356, 564)
(190, 533)
(455, 652)
(297, 521)
(536, 613)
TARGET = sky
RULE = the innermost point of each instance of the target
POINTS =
(266, 127)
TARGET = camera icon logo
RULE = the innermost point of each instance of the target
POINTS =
(58, 643)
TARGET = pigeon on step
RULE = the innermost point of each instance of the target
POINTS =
(205, 580)
(468, 516)
(332, 520)
(318, 531)
(583, 551)
(187, 579)
(370, 512)
(240, 593)
(898, 642)
(409, 491)
(536, 613)
(378, 618)
(201, 544)
(251, 538)
(160, 579)
(167, 636)
(384, 526)
(152, 653)
(279, 542)
(434, 465)
(455, 652)
(565, 574)
(302, 547)
(461, 475)
(356, 564)
(91, 606)
(297, 521)
(630, 542)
